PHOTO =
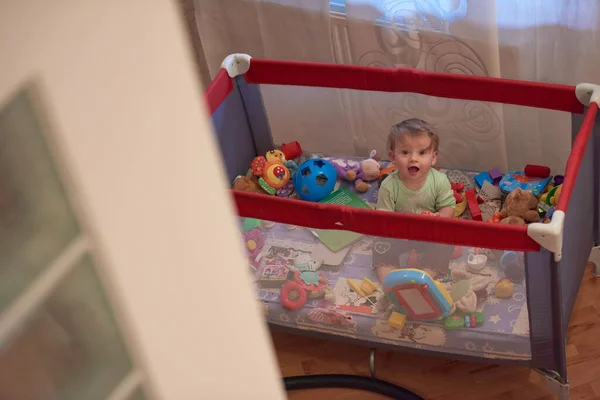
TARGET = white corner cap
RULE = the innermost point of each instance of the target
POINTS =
(588, 93)
(236, 64)
(549, 236)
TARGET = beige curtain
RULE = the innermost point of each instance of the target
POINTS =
(547, 41)
(526, 39)
(287, 30)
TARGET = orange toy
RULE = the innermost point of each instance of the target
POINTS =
(276, 174)
(496, 218)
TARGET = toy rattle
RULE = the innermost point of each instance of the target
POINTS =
(273, 175)
(293, 296)
(312, 282)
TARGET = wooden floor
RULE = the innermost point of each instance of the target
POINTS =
(448, 379)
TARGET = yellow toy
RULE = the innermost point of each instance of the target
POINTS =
(275, 155)
(556, 195)
(397, 320)
(366, 287)
(460, 207)
(504, 289)
(544, 195)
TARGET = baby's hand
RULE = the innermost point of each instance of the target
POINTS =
(426, 212)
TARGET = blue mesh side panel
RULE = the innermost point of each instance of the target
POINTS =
(257, 116)
(234, 135)
(539, 305)
(579, 233)
(552, 287)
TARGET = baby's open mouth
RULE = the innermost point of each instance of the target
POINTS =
(413, 170)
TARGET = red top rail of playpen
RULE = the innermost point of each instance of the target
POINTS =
(384, 224)
(454, 86)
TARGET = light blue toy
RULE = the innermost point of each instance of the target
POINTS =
(315, 179)
(507, 258)
(416, 295)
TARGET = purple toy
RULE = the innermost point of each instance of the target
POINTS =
(366, 171)
(558, 180)
(495, 175)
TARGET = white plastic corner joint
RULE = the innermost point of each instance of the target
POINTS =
(588, 93)
(550, 235)
(236, 64)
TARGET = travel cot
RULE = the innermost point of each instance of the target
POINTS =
(528, 326)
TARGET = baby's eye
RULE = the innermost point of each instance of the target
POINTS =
(422, 152)
(404, 152)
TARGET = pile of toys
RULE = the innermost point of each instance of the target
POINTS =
(527, 196)
(278, 174)
(523, 196)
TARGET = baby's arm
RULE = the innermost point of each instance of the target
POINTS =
(446, 212)
(445, 199)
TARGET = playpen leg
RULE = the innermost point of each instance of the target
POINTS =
(595, 260)
(372, 363)
(555, 383)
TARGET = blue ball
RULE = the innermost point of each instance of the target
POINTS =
(315, 179)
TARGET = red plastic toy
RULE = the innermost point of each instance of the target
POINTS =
(291, 150)
(457, 187)
(537, 171)
(293, 296)
(473, 206)
(457, 253)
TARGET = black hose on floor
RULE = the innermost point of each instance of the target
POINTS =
(349, 382)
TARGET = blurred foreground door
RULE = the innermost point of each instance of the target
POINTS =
(122, 275)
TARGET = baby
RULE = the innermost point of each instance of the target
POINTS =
(415, 187)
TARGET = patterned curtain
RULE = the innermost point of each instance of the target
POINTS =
(545, 41)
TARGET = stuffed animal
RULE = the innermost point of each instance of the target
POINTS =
(520, 208)
(247, 183)
(367, 171)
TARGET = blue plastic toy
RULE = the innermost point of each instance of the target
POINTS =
(416, 295)
(315, 179)
(509, 257)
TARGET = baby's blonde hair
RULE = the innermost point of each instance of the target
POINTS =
(412, 127)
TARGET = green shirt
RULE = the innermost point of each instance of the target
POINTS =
(435, 194)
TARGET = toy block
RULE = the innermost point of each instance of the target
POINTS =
(495, 175)
(397, 320)
(473, 206)
(482, 177)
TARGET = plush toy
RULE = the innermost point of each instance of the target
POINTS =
(367, 171)
(520, 208)
(248, 183)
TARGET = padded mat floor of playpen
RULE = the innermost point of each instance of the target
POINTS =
(503, 334)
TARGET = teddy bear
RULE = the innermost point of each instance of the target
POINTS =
(520, 208)
(366, 171)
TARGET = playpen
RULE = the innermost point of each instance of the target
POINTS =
(526, 327)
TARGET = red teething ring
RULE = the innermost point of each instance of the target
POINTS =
(285, 298)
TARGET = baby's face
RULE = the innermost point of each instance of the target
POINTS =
(413, 156)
